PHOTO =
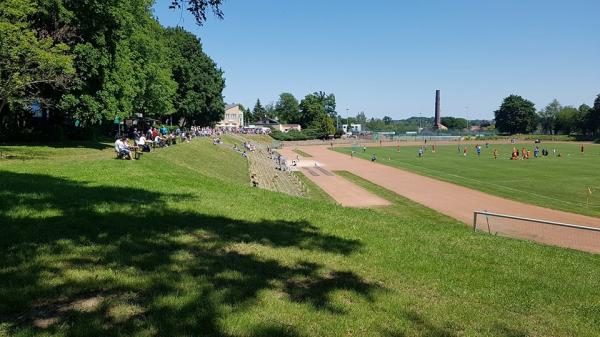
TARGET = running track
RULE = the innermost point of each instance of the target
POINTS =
(460, 202)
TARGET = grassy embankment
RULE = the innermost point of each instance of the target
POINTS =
(559, 183)
(302, 153)
(178, 244)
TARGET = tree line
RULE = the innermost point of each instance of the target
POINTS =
(315, 113)
(85, 63)
(518, 115)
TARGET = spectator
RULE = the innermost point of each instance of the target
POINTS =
(142, 143)
(122, 148)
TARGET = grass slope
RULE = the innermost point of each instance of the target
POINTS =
(178, 244)
(559, 183)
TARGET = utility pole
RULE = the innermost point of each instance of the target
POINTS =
(347, 120)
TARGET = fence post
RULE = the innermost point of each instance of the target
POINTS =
(474, 221)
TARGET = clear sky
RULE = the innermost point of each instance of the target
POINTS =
(388, 57)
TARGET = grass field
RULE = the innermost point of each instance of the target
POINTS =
(302, 153)
(179, 244)
(559, 183)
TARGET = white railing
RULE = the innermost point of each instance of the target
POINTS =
(546, 222)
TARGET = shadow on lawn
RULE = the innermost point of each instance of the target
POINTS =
(102, 144)
(110, 261)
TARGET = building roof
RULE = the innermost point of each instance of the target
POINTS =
(229, 106)
(267, 121)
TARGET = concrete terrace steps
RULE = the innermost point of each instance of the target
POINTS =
(266, 172)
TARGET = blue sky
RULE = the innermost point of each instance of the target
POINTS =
(388, 57)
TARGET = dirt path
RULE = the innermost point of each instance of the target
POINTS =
(460, 202)
(341, 190)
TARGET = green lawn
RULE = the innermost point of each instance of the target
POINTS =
(559, 183)
(179, 244)
(302, 153)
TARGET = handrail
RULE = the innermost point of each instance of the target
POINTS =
(553, 223)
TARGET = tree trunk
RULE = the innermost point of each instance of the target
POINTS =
(2, 105)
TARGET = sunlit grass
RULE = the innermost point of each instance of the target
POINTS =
(178, 244)
(555, 182)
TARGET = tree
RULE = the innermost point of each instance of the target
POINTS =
(259, 111)
(387, 120)
(566, 120)
(583, 123)
(198, 8)
(311, 109)
(28, 63)
(455, 123)
(548, 116)
(324, 126)
(361, 118)
(328, 102)
(516, 115)
(270, 111)
(287, 108)
(199, 97)
(593, 118)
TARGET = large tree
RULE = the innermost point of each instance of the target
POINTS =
(311, 109)
(287, 108)
(566, 120)
(361, 118)
(455, 123)
(323, 125)
(199, 8)
(548, 116)
(259, 112)
(516, 115)
(328, 102)
(593, 118)
(583, 125)
(199, 98)
(29, 63)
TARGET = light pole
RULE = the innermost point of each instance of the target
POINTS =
(467, 118)
(347, 119)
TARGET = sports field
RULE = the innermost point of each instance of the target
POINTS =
(562, 183)
(179, 244)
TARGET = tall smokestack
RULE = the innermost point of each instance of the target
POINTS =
(438, 118)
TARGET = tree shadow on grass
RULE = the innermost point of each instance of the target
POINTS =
(69, 144)
(422, 326)
(100, 260)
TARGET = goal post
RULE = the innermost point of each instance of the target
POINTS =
(555, 233)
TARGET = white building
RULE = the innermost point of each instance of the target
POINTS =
(233, 117)
(354, 128)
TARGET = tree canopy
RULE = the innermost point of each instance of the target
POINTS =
(91, 61)
(287, 108)
(199, 8)
(548, 116)
(29, 63)
(516, 115)
(455, 123)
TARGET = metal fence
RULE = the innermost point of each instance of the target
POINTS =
(544, 231)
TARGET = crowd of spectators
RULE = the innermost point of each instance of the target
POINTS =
(159, 137)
